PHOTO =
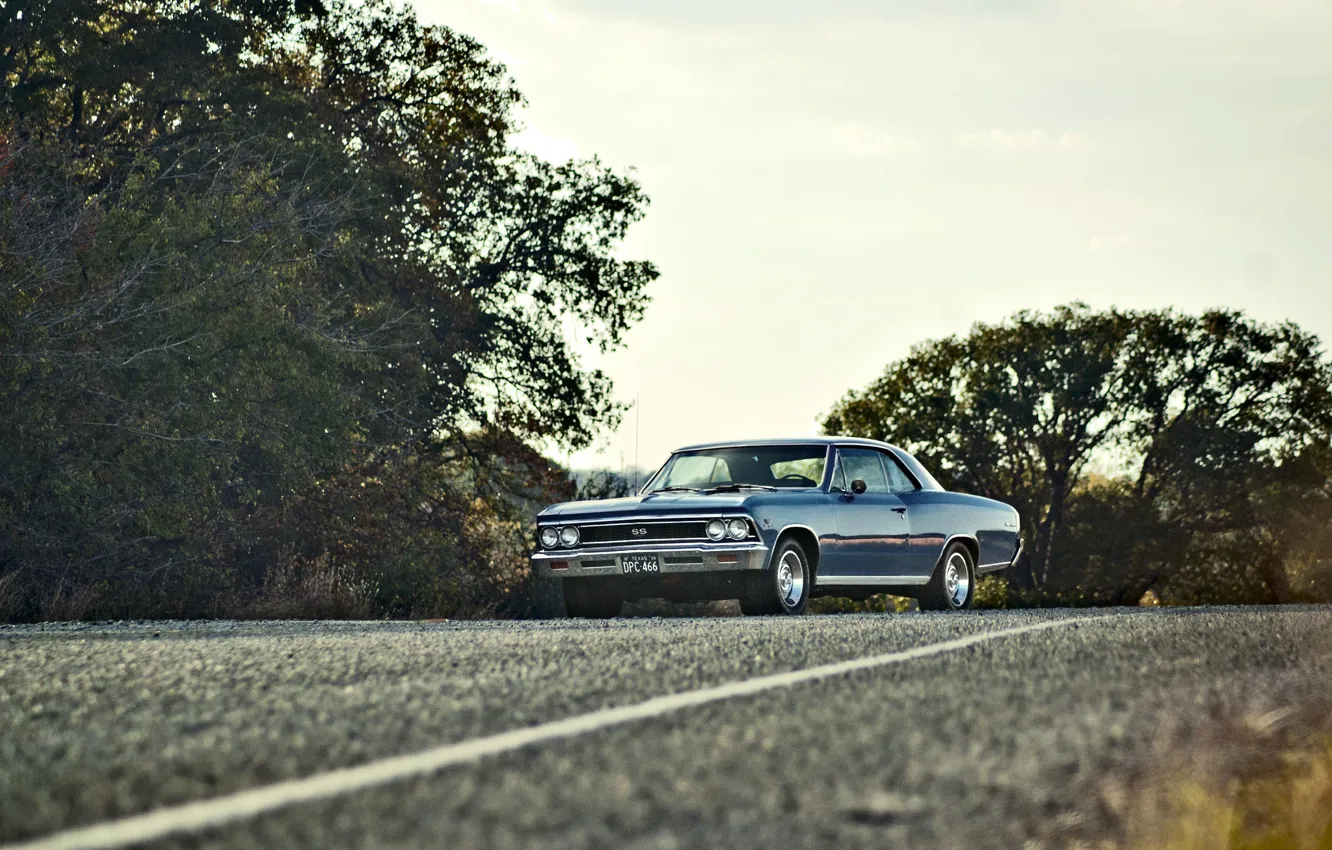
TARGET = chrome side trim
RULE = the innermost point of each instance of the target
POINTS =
(870, 581)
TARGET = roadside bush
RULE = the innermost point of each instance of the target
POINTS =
(429, 534)
(11, 596)
(991, 592)
(67, 601)
(880, 603)
(319, 589)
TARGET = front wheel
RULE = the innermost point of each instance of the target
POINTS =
(784, 589)
(588, 598)
(953, 584)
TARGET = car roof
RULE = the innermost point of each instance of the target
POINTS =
(790, 441)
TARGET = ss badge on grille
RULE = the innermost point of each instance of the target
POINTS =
(638, 532)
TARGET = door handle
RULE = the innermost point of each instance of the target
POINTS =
(901, 511)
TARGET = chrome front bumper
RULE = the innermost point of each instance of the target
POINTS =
(674, 558)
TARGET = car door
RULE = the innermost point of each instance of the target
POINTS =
(927, 520)
(872, 528)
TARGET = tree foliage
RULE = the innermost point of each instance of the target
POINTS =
(1214, 429)
(605, 485)
(249, 250)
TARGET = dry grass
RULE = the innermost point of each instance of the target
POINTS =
(11, 596)
(1262, 781)
(1290, 809)
(67, 602)
(880, 603)
(320, 589)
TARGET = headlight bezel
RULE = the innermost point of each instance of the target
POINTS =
(553, 541)
(571, 539)
(720, 525)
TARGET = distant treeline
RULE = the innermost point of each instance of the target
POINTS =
(1184, 455)
(283, 314)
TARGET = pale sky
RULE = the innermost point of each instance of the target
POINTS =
(834, 181)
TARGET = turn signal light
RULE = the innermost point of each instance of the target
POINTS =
(559, 565)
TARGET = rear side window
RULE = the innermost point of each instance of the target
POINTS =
(898, 480)
(865, 465)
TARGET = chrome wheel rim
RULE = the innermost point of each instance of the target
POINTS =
(957, 580)
(791, 579)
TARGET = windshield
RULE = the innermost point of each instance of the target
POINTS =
(758, 466)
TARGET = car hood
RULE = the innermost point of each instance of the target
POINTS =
(664, 504)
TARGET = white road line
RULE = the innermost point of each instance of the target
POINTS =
(208, 814)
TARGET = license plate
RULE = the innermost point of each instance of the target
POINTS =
(636, 564)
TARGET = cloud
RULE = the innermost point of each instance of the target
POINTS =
(752, 14)
(1100, 244)
(510, 6)
(1018, 140)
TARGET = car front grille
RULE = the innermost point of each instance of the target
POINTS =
(644, 532)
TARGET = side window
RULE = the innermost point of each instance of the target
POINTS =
(898, 480)
(864, 464)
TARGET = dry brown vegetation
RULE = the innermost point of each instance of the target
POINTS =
(321, 589)
(1259, 780)
(11, 595)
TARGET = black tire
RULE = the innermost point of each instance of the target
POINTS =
(953, 585)
(784, 587)
(590, 599)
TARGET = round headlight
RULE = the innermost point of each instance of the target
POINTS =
(737, 529)
(716, 529)
(550, 538)
(569, 536)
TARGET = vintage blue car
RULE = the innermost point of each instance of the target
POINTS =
(773, 523)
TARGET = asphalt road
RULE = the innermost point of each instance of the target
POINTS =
(1000, 743)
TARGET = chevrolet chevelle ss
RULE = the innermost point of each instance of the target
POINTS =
(774, 523)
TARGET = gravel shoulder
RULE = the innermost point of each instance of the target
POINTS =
(995, 745)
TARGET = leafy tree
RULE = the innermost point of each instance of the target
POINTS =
(605, 485)
(248, 250)
(1204, 416)
(1014, 410)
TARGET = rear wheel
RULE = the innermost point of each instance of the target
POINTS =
(953, 584)
(589, 598)
(784, 589)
